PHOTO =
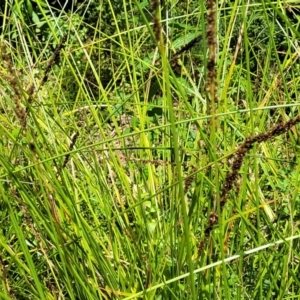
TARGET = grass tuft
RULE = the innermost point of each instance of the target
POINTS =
(149, 150)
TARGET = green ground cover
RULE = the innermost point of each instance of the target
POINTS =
(149, 150)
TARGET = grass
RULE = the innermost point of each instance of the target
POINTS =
(127, 175)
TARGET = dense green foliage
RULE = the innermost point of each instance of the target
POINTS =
(123, 175)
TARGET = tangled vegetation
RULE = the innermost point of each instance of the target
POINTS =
(149, 149)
